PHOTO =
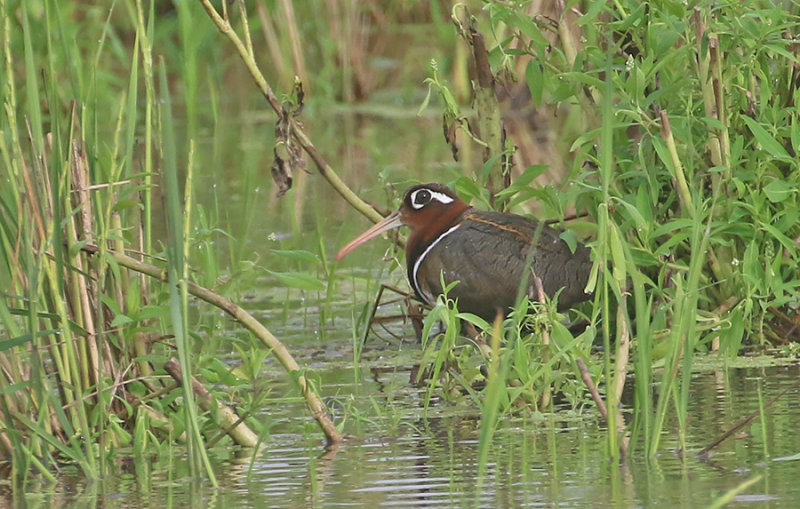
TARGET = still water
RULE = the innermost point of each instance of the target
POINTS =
(405, 457)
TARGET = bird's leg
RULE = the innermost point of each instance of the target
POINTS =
(414, 313)
(472, 333)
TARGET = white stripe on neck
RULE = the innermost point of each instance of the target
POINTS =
(422, 257)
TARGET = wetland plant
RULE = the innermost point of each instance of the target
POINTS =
(672, 132)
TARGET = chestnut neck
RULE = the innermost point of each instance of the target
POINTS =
(428, 224)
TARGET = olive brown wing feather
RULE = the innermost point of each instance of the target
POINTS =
(488, 252)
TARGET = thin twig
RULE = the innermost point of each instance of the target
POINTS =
(315, 404)
(704, 453)
(621, 370)
(547, 392)
(601, 406)
(587, 379)
(232, 423)
(322, 165)
(684, 195)
(623, 350)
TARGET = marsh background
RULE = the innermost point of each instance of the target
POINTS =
(671, 129)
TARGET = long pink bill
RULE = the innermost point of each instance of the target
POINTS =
(389, 222)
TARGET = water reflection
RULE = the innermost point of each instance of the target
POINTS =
(553, 460)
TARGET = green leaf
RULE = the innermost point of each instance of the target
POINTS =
(24, 338)
(154, 358)
(778, 191)
(617, 254)
(676, 225)
(663, 39)
(534, 77)
(299, 280)
(663, 154)
(731, 337)
(767, 142)
(120, 320)
(583, 78)
(467, 188)
(591, 13)
(529, 29)
(475, 320)
(297, 255)
(785, 241)
(424, 105)
(780, 50)
(570, 238)
(713, 122)
(126, 204)
(11, 389)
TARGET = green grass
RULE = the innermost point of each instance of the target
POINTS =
(94, 160)
(683, 154)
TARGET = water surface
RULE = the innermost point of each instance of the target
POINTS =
(403, 458)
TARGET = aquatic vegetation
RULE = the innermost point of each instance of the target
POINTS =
(664, 136)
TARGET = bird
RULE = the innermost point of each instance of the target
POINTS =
(491, 254)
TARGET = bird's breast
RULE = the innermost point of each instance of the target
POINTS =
(420, 268)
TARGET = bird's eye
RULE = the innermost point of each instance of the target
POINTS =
(420, 198)
(423, 196)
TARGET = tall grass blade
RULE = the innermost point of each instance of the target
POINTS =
(178, 279)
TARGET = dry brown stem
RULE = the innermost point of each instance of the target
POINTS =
(315, 404)
(224, 26)
(226, 416)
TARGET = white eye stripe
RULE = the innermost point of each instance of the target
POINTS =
(441, 197)
(434, 195)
